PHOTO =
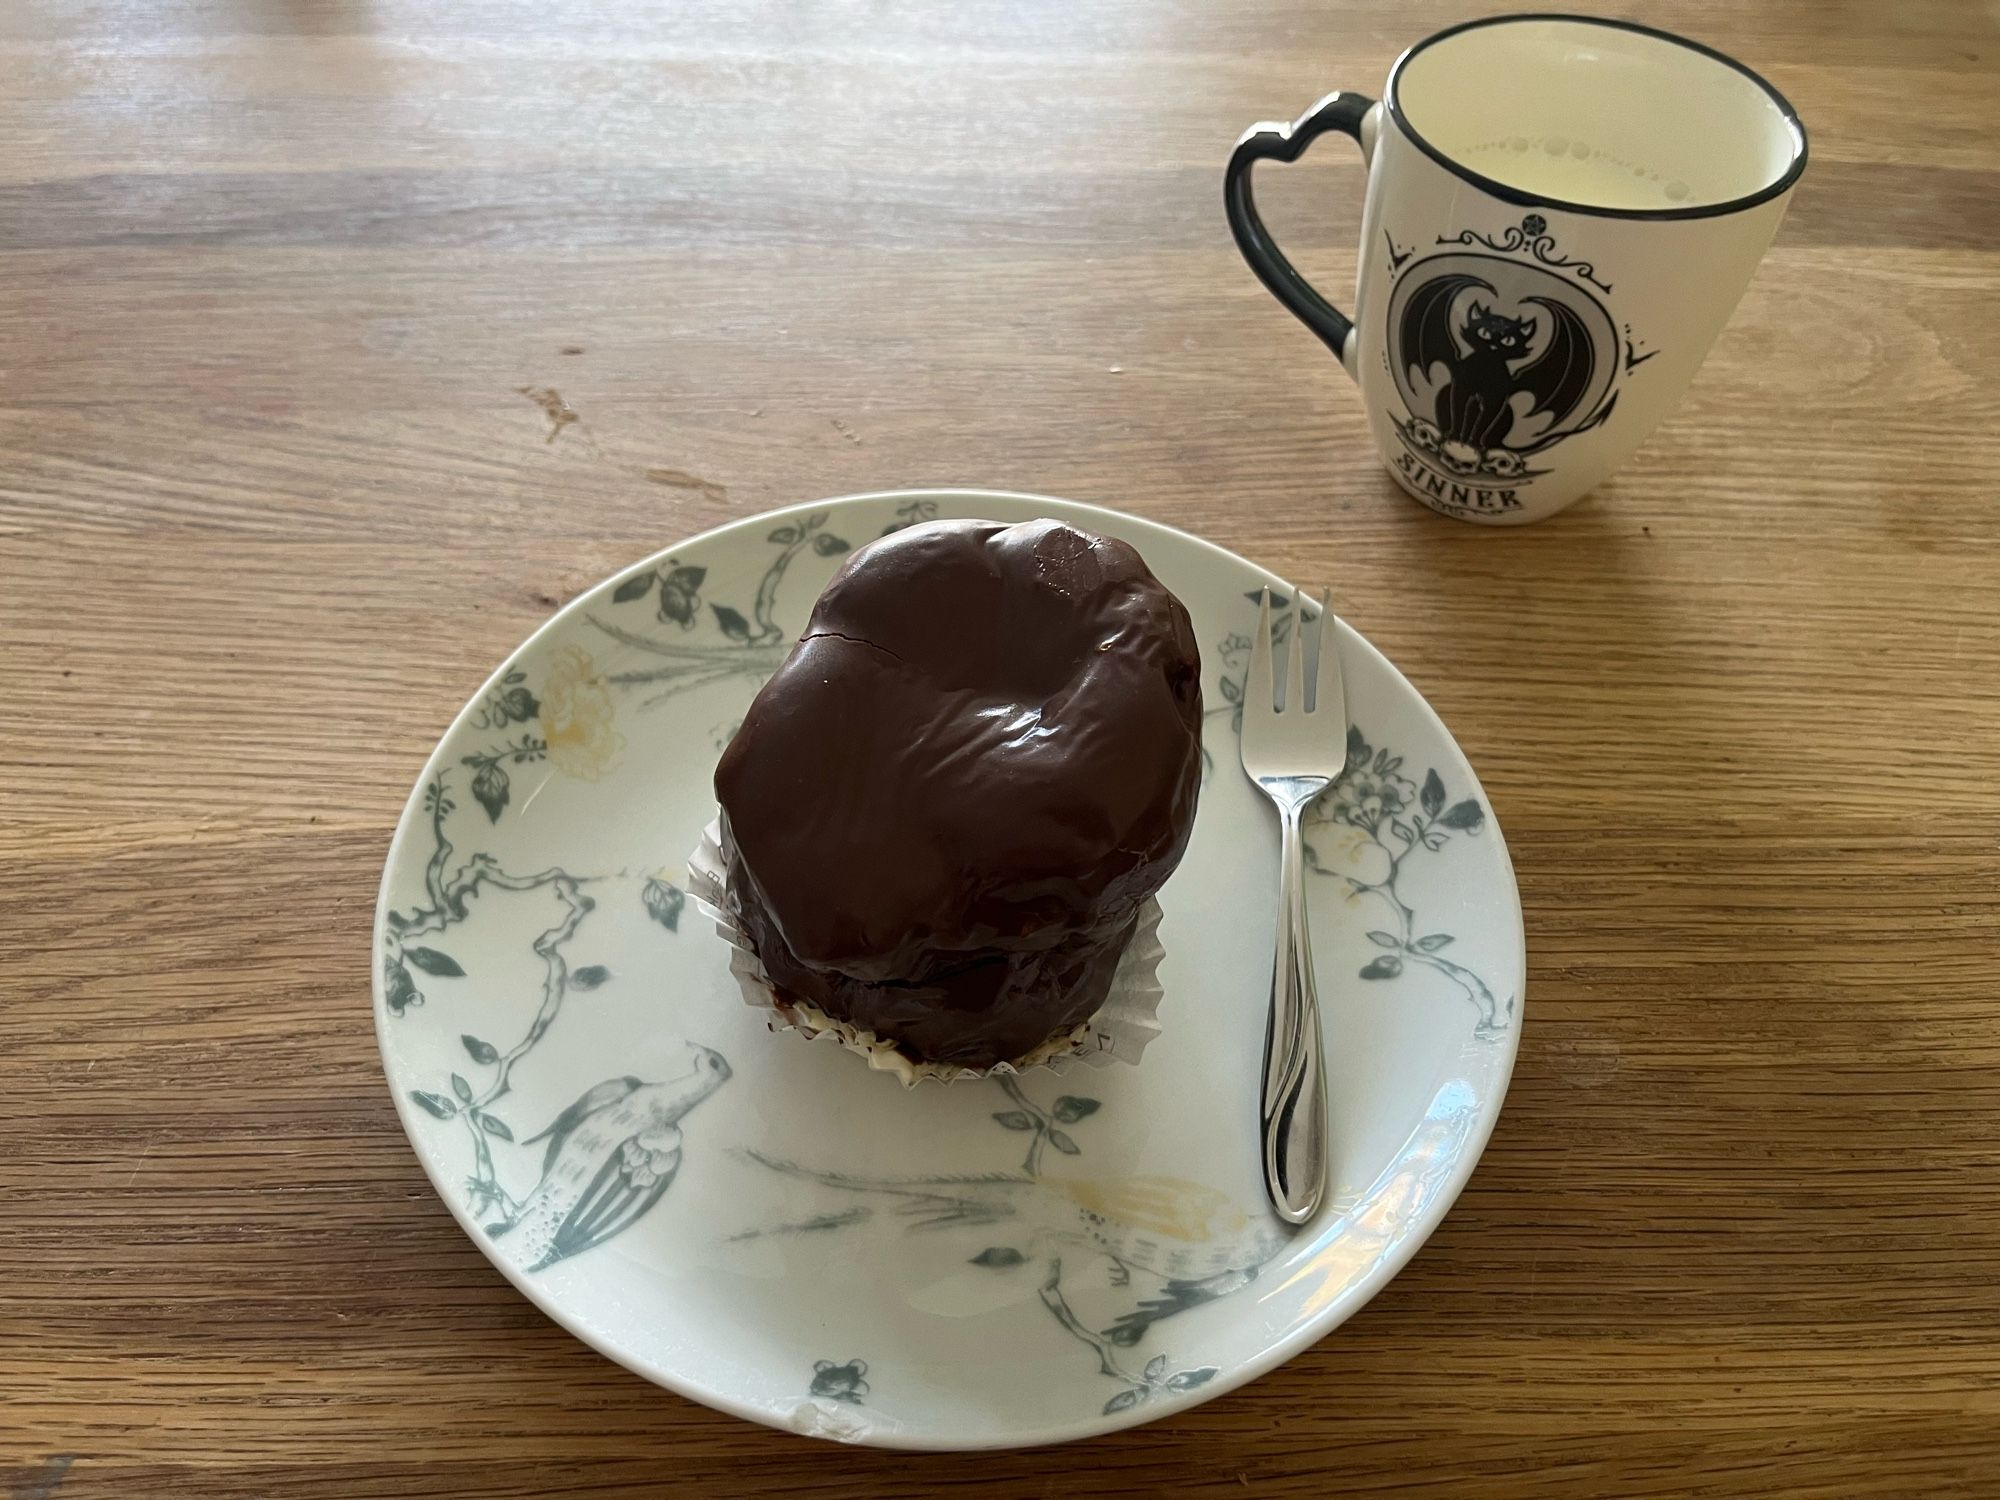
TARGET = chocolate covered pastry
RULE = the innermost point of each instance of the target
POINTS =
(944, 812)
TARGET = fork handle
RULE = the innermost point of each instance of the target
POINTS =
(1294, 1093)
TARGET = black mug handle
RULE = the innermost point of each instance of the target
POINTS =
(1338, 111)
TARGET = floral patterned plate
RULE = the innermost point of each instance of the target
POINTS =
(769, 1227)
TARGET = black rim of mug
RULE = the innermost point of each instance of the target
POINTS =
(1537, 200)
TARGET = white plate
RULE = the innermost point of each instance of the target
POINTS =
(765, 1225)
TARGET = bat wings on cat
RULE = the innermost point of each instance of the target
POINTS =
(1482, 360)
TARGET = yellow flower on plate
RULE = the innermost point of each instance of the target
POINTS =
(578, 717)
(1170, 1206)
(1351, 852)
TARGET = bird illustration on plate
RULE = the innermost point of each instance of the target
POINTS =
(611, 1156)
(1194, 1239)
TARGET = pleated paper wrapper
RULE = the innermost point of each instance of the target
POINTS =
(1119, 1032)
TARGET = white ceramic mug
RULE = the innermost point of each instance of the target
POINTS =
(1562, 213)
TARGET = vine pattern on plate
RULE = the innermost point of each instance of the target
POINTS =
(1184, 1243)
(1366, 828)
(613, 1152)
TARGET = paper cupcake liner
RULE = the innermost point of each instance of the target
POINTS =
(1119, 1031)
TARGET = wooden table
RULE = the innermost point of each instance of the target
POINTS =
(340, 337)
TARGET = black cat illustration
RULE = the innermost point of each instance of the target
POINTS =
(1483, 359)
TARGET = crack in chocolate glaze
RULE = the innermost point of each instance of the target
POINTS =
(835, 635)
(947, 838)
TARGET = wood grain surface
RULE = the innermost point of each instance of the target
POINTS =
(341, 342)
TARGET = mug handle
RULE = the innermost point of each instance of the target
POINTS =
(1337, 111)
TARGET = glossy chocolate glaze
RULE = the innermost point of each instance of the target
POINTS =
(945, 810)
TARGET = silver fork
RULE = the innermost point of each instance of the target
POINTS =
(1293, 756)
